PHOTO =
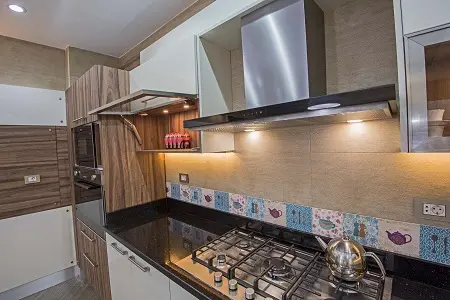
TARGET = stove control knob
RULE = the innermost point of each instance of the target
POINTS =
(232, 284)
(249, 294)
(217, 277)
(93, 177)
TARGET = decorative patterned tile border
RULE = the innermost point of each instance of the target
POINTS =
(415, 240)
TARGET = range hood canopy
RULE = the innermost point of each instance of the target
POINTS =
(375, 103)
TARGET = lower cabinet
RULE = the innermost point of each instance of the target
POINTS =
(178, 293)
(132, 278)
(93, 259)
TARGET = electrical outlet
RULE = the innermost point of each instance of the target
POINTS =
(434, 210)
(184, 178)
(30, 179)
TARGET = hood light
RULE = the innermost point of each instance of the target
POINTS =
(354, 121)
(323, 106)
(17, 8)
(249, 130)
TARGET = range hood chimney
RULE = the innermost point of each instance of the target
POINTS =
(284, 53)
(283, 46)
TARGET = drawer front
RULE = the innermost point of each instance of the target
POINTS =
(87, 243)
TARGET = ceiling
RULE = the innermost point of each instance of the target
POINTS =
(105, 26)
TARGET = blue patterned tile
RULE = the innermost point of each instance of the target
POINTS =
(221, 201)
(299, 217)
(362, 229)
(435, 244)
(175, 191)
(254, 208)
(196, 195)
(168, 190)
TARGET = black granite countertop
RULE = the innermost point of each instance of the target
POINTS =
(166, 231)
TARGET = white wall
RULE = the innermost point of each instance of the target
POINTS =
(35, 245)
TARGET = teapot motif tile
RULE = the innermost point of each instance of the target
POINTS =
(399, 237)
(208, 198)
(275, 212)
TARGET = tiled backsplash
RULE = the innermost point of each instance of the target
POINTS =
(415, 240)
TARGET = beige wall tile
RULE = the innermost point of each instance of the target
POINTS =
(373, 136)
(378, 184)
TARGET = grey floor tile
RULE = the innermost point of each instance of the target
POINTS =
(73, 289)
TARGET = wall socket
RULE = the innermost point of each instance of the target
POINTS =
(432, 209)
(184, 178)
(31, 179)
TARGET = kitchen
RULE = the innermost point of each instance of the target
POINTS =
(194, 167)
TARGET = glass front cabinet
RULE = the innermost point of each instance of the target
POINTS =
(428, 88)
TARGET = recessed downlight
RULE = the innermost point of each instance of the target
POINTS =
(354, 121)
(166, 111)
(323, 106)
(17, 8)
(186, 106)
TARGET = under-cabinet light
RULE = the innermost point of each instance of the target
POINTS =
(249, 130)
(354, 121)
(166, 111)
(323, 106)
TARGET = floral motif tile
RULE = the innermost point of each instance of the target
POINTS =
(185, 192)
(254, 208)
(222, 201)
(168, 189)
(362, 229)
(175, 191)
(399, 237)
(327, 222)
(196, 195)
(237, 204)
(208, 198)
(435, 244)
(275, 212)
(299, 217)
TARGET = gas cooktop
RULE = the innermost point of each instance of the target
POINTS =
(242, 264)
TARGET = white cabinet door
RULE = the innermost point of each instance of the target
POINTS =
(120, 272)
(178, 293)
(419, 14)
(149, 283)
(35, 245)
(31, 106)
(171, 68)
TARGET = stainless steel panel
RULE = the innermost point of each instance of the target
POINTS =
(275, 47)
(420, 139)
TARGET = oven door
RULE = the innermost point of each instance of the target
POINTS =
(86, 144)
(90, 205)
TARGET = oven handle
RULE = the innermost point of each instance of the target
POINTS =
(85, 186)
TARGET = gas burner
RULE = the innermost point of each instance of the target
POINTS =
(244, 244)
(281, 268)
(348, 287)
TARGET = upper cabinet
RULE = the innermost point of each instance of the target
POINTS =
(31, 106)
(171, 68)
(98, 86)
(423, 50)
(420, 15)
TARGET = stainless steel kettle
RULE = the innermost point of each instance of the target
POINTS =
(347, 259)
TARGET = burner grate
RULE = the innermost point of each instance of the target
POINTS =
(250, 259)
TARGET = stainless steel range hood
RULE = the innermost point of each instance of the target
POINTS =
(283, 47)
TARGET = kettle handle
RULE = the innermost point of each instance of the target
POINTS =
(379, 263)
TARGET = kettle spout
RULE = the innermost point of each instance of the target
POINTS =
(322, 244)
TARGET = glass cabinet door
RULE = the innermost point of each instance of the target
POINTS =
(428, 76)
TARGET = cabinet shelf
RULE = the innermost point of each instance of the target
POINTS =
(194, 150)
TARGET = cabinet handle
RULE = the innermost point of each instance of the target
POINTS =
(87, 237)
(134, 262)
(78, 119)
(90, 261)
(122, 252)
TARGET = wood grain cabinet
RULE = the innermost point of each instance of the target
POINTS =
(98, 86)
(93, 259)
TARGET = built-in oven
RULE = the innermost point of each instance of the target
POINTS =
(86, 144)
(88, 185)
